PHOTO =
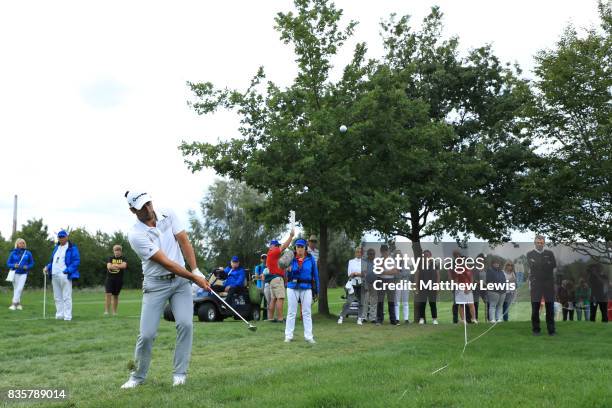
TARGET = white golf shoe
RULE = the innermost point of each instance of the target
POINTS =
(179, 380)
(131, 383)
(421, 321)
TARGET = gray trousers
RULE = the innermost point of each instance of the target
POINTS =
(371, 302)
(155, 295)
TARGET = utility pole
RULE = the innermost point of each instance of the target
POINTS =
(14, 217)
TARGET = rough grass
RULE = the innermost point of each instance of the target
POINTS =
(351, 366)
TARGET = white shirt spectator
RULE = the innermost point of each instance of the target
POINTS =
(146, 241)
(354, 266)
(314, 253)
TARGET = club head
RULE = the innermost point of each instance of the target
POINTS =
(252, 328)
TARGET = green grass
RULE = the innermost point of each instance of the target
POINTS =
(351, 366)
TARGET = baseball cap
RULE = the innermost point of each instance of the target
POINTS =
(274, 242)
(313, 238)
(137, 198)
(235, 259)
(62, 234)
(301, 242)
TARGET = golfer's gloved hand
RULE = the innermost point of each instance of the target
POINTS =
(197, 272)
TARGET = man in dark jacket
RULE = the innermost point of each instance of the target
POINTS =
(542, 265)
(598, 280)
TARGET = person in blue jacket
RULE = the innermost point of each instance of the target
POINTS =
(21, 261)
(62, 270)
(302, 287)
(235, 278)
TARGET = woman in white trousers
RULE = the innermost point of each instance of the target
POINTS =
(21, 261)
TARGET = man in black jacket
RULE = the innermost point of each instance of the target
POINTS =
(542, 265)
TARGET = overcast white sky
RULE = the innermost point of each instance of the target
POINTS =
(93, 95)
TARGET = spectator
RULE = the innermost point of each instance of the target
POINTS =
(598, 280)
(455, 308)
(259, 278)
(234, 281)
(21, 261)
(371, 300)
(277, 279)
(427, 273)
(478, 275)
(312, 248)
(62, 270)
(302, 287)
(115, 266)
(388, 276)
(402, 296)
(460, 274)
(355, 277)
(497, 295)
(542, 266)
(583, 301)
(258, 272)
(566, 297)
(510, 294)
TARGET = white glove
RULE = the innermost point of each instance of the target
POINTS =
(197, 272)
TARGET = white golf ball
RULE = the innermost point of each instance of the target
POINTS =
(343, 129)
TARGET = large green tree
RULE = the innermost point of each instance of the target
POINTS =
(289, 147)
(440, 137)
(571, 192)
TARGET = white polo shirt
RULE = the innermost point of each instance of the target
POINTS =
(146, 241)
(59, 260)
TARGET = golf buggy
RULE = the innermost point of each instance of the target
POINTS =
(209, 308)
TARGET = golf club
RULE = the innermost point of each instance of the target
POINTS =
(251, 326)
(44, 295)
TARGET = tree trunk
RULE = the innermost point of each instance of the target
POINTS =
(415, 232)
(323, 274)
(417, 252)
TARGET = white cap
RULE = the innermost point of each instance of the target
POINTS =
(137, 198)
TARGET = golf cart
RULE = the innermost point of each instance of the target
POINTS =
(209, 308)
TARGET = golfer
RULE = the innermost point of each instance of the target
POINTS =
(158, 239)
(303, 285)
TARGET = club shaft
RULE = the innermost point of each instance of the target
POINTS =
(231, 308)
(44, 295)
